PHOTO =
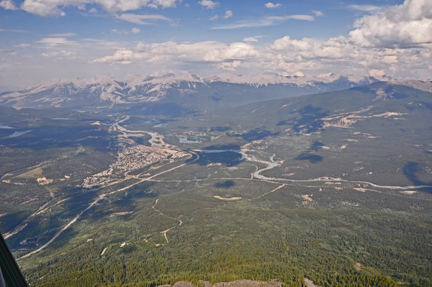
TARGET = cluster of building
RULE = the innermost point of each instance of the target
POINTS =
(130, 159)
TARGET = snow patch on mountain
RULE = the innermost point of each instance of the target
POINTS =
(104, 91)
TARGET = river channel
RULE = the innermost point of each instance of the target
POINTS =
(271, 164)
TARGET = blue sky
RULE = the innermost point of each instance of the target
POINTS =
(41, 39)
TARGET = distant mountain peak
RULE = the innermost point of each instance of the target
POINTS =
(102, 91)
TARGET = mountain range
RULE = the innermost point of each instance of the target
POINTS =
(187, 91)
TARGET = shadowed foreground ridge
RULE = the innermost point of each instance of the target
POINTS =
(237, 283)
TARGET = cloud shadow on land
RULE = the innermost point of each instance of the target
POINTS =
(316, 145)
(410, 170)
(310, 120)
(255, 134)
(225, 184)
(312, 158)
(219, 129)
(170, 110)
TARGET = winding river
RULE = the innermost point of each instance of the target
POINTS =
(122, 129)
(272, 164)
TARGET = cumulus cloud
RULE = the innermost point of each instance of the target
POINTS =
(374, 54)
(124, 56)
(8, 5)
(406, 25)
(235, 51)
(271, 5)
(375, 73)
(53, 7)
(285, 56)
(310, 49)
(228, 14)
(171, 54)
(340, 55)
(390, 59)
(208, 4)
(135, 30)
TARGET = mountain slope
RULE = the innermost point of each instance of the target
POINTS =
(188, 91)
(378, 133)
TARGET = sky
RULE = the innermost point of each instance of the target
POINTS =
(42, 39)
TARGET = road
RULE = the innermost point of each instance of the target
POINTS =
(102, 196)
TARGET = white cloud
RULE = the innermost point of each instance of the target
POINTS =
(340, 55)
(284, 56)
(133, 31)
(93, 10)
(366, 8)
(230, 66)
(15, 31)
(116, 31)
(306, 48)
(266, 21)
(250, 39)
(42, 8)
(406, 25)
(23, 45)
(52, 7)
(228, 14)
(56, 42)
(296, 17)
(63, 35)
(317, 13)
(60, 55)
(375, 73)
(390, 59)
(170, 54)
(377, 53)
(141, 19)
(8, 5)
(208, 4)
(167, 3)
(121, 56)
(236, 51)
(271, 5)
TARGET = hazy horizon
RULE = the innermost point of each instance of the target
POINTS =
(152, 37)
